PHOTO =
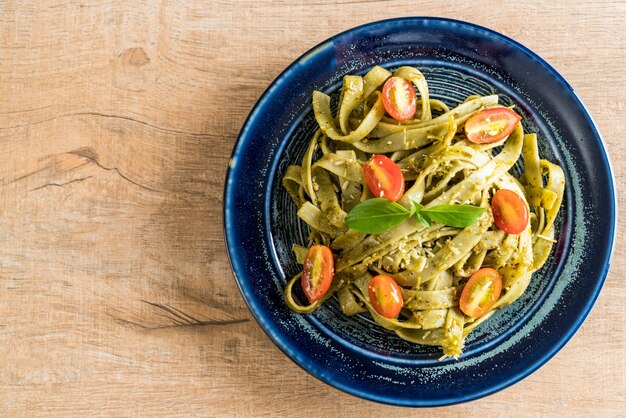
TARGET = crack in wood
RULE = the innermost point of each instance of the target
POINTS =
(89, 155)
(179, 319)
(126, 118)
(207, 323)
(184, 317)
(39, 170)
(61, 184)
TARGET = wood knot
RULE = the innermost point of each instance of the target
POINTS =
(134, 57)
(131, 70)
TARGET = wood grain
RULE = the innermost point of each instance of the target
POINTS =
(117, 120)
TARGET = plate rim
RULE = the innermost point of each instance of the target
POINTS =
(231, 248)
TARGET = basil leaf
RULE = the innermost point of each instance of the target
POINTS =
(423, 219)
(375, 216)
(417, 208)
(458, 216)
(419, 216)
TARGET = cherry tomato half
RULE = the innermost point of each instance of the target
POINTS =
(399, 98)
(510, 212)
(384, 178)
(318, 272)
(385, 296)
(491, 125)
(481, 291)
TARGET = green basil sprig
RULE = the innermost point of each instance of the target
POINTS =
(375, 216)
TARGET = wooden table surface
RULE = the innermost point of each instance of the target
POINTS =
(117, 119)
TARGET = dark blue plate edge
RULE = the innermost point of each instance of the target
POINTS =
(540, 361)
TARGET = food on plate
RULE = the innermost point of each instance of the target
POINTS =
(414, 214)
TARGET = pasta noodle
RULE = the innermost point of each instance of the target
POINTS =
(430, 263)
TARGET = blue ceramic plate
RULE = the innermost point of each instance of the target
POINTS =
(352, 354)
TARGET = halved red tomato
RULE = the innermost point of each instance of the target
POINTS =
(385, 296)
(480, 293)
(491, 125)
(510, 212)
(384, 178)
(318, 272)
(399, 98)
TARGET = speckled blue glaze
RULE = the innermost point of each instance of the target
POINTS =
(352, 354)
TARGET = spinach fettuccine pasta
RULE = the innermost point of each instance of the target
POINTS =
(414, 215)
